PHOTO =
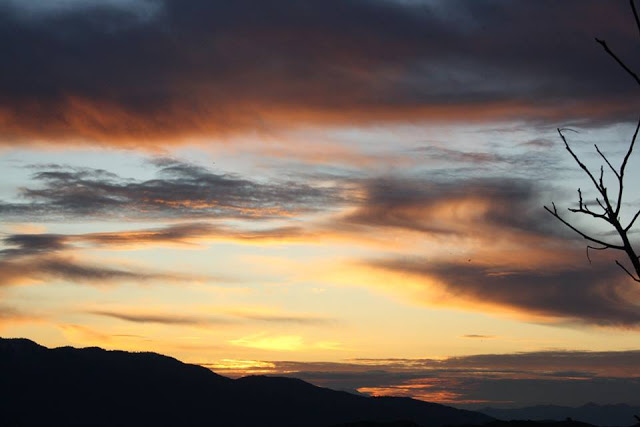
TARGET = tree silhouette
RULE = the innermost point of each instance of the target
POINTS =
(608, 209)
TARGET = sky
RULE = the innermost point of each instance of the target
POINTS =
(346, 191)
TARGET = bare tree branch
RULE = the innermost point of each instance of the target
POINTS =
(590, 213)
(624, 164)
(635, 15)
(627, 271)
(584, 209)
(618, 60)
(615, 172)
(554, 212)
(628, 227)
(582, 166)
(604, 248)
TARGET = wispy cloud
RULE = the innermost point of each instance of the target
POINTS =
(181, 190)
(67, 268)
(478, 336)
(220, 318)
(10, 314)
(284, 318)
(164, 319)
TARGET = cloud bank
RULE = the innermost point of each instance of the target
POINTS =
(169, 70)
(512, 380)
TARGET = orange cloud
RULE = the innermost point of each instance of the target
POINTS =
(78, 122)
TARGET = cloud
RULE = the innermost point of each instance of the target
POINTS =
(47, 268)
(32, 244)
(489, 247)
(20, 245)
(598, 295)
(182, 190)
(532, 164)
(563, 377)
(190, 233)
(470, 206)
(513, 392)
(174, 71)
(29, 258)
(477, 336)
(539, 143)
(226, 318)
(163, 319)
(277, 316)
(10, 315)
(38, 257)
(442, 154)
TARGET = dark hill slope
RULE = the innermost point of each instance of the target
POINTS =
(529, 423)
(601, 415)
(90, 386)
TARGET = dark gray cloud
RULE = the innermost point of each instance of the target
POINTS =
(19, 245)
(454, 207)
(32, 244)
(181, 190)
(598, 294)
(199, 66)
(561, 377)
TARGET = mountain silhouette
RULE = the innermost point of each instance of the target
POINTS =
(601, 415)
(68, 386)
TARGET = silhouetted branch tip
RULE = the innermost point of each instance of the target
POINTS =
(627, 271)
(615, 172)
(618, 60)
(628, 227)
(603, 248)
(635, 15)
(567, 129)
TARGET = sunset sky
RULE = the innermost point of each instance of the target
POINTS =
(346, 191)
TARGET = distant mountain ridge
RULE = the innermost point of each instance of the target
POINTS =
(67, 386)
(601, 415)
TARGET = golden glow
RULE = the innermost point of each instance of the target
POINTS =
(264, 342)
